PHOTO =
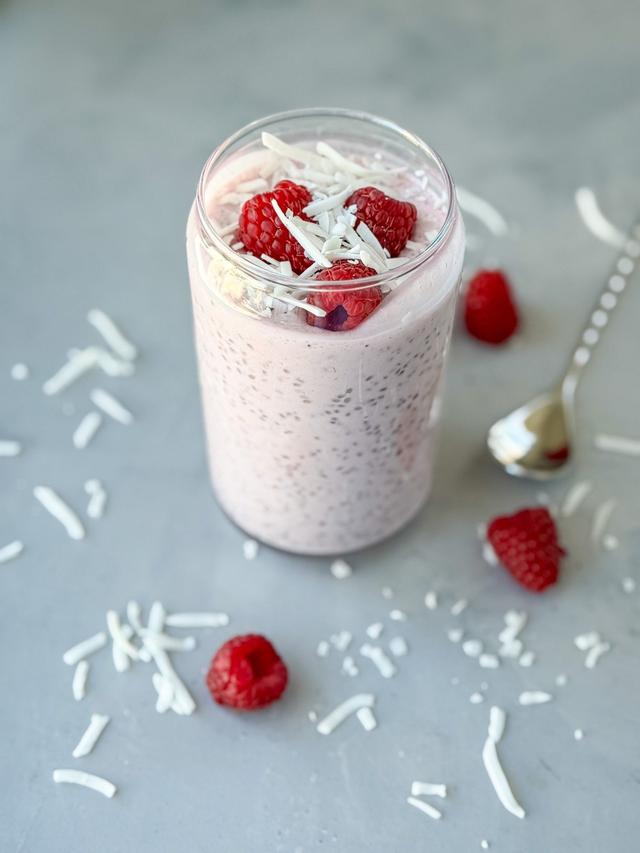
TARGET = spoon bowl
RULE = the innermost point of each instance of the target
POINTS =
(535, 440)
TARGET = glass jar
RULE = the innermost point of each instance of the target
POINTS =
(321, 441)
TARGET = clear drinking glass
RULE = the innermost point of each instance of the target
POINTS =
(321, 442)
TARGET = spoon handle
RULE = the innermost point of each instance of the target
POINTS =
(609, 298)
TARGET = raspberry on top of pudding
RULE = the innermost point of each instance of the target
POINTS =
(312, 214)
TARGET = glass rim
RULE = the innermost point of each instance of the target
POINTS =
(308, 285)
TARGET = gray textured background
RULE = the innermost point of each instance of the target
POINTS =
(107, 111)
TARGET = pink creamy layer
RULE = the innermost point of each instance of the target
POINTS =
(322, 442)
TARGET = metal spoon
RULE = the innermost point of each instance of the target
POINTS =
(536, 440)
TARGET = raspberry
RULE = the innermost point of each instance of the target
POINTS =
(263, 233)
(390, 220)
(246, 673)
(490, 313)
(527, 545)
(345, 308)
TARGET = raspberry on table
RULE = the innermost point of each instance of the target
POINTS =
(391, 220)
(247, 673)
(346, 308)
(526, 543)
(261, 230)
(490, 312)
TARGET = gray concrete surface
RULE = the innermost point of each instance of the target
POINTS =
(107, 111)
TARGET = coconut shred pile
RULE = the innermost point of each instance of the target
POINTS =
(331, 232)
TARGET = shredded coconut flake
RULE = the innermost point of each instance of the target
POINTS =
(157, 616)
(119, 636)
(428, 789)
(111, 406)
(493, 767)
(527, 659)
(298, 233)
(454, 635)
(86, 430)
(459, 606)
(60, 510)
(398, 615)
(250, 549)
(323, 648)
(511, 649)
(371, 258)
(11, 551)
(472, 648)
(425, 808)
(340, 569)
(363, 230)
(121, 660)
(489, 661)
(431, 600)
(349, 667)
(515, 621)
(341, 641)
(578, 734)
(97, 498)
(112, 335)
(594, 654)
(134, 616)
(595, 220)
(482, 210)
(169, 643)
(587, 641)
(10, 448)
(497, 722)
(328, 203)
(534, 697)
(86, 780)
(379, 659)
(574, 498)
(398, 646)
(293, 152)
(79, 683)
(183, 703)
(164, 690)
(488, 554)
(343, 711)
(326, 150)
(617, 444)
(476, 698)
(87, 647)
(111, 365)
(367, 719)
(561, 680)
(80, 363)
(90, 737)
(601, 518)
(375, 630)
(20, 372)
